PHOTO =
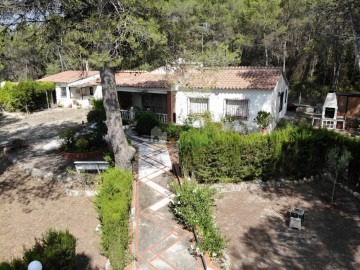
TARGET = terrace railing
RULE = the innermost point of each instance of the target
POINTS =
(129, 115)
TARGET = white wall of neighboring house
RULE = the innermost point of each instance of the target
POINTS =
(259, 100)
(73, 92)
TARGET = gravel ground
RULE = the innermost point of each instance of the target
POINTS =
(28, 206)
(256, 224)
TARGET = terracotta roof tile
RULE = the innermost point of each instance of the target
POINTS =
(68, 76)
(147, 80)
(256, 78)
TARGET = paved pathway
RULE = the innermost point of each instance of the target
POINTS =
(160, 243)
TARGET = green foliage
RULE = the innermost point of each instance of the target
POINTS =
(214, 156)
(263, 119)
(192, 205)
(113, 205)
(82, 144)
(145, 122)
(109, 157)
(173, 131)
(55, 250)
(78, 139)
(25, 95)
(97, 116)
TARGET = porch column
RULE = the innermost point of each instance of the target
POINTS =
(170, 106)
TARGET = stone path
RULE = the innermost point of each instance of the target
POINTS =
(160, 242)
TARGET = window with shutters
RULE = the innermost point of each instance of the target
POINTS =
(198, 105)
(238, 109)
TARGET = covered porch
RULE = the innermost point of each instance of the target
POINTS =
(161, 103)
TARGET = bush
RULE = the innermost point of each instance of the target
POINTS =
(211, 155)
(113, 205)
(25, 95)
(97, 116)
(55, 250)
(78, 139)
(292, 152)
(145, 122)
(82, 145)
(192, 205)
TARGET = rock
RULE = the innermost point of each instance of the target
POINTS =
(296, 182)
(356, 194)
(277, 184)
(108, 265)
(98, 228)
(312, 178)
(305, 179)
(301, 181)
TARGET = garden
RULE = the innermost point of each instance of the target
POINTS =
(213, 155)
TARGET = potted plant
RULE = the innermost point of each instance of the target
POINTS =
(263, 120)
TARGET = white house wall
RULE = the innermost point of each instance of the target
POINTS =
(258, 100)
(281, 87)
(68, 100)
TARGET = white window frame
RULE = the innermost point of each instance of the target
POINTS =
(239, 110)
(198, 105)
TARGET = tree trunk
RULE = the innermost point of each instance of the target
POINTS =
(284, 57)
(266, 56)
(122, 151)
(333, 190)
(356, 45)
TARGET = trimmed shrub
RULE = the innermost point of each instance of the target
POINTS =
(291, 152)
(113, 205)
(211, 155)
(145, 122)
(55, 250)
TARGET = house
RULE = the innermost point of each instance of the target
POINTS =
(75, 87)
(174, 94)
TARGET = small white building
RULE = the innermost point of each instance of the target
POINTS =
(76, 87)
(236, 92)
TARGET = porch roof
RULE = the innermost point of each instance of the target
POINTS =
(147, 80)
(69, 76)
(244, 78)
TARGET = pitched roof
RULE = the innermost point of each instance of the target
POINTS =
(147, 80)
(245, 78)
(68, 76)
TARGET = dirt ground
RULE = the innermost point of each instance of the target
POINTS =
(256, 224)
(29, 207)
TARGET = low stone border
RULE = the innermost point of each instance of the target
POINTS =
(81, 156)
(257, 184)
(235, 187)
(344, 187)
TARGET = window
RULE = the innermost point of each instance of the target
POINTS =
(91, 91)
(239, 109)
(198, 105)
(281, 105)
(63, 92)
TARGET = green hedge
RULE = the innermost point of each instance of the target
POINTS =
(113, 203)
(55, 250)
(214, 156)
(25, 95)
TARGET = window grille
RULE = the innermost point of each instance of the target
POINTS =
(198, 105)
(238, 109)
(63, 92)
(281, 105)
